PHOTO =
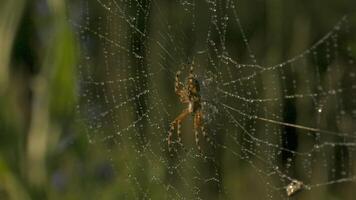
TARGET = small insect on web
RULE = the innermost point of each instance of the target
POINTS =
(188, 94)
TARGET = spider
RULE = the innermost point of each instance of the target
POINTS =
(188, 94)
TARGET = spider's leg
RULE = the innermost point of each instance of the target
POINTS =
(180, 90)
(196, 126)
(202, 129)
(201, 124)
(178, 85)
(178, 132)
(177, 122)
(197, 139)
(179, 119)
(170, 134)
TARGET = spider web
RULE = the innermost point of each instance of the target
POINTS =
(268, 124)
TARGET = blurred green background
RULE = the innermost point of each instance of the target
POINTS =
(44, 147)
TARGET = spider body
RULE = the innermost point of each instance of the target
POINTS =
(188, 94)
(194, 101)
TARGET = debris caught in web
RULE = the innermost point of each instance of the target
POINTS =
(294, 187)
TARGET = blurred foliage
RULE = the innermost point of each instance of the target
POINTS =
(44, 151)
(37, 61)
